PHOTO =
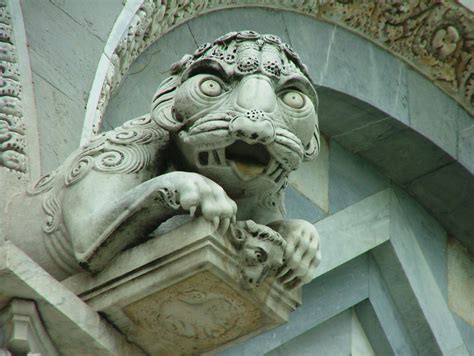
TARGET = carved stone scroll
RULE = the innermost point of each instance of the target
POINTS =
(12, 125)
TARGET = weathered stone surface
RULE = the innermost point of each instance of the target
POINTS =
(298, 206)
(333, 337)
(432, 113)
(381, 81)
(259, 20)
(146, 73)
(323, 298)
(355, 230)
(317, 37)
(61, 311)
(91, 14)
(423, 307)
(312, 179)
(373, 329)
(360, 345)
(431, 237)
(341, 113)
(405, 155)
(384, 309)
(453, 204)
(461, 282)
(466, 140)
(51, 32)
(367, 137)
(351, 179)
(55, 115)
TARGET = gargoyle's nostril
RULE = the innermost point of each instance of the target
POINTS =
(254, 136)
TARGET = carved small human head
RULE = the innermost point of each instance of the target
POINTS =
(242, 109)
(260, 251)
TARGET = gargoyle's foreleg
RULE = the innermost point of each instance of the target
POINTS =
(302, 251)
(121, 221)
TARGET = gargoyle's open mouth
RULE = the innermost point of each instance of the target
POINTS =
(247, 160)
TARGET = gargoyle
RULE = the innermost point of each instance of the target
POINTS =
(225, 131)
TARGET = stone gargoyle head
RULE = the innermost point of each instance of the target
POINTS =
(260, 251)
(243, 112)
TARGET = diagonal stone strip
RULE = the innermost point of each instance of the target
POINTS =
(61, 310)
(353, 231)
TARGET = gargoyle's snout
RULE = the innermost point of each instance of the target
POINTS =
(253, 127)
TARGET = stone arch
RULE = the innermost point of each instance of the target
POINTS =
(431, 37)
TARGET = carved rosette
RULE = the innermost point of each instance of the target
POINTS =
(12, 125)
(435, 37)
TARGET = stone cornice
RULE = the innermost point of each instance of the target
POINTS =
(434, 37)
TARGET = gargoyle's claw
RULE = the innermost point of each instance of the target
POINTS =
(224, 226)
(287, 276)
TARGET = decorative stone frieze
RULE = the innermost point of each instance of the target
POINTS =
(435, 37)
(12, 125)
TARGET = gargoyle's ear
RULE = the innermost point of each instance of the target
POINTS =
(162, 104)
(237, 236)
(312, 149)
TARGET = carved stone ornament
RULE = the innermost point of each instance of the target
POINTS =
(22, 331)
(435, 37)
(12, 126)
(226, 129)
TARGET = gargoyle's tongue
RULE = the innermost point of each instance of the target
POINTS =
(248, 160)
(248, 169)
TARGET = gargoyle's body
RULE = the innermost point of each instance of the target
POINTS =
(224, 132)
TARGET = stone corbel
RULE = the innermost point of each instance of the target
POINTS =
(188, 291)
(22, 331)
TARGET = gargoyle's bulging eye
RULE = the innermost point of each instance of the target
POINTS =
(293, 99)
(211, 87)
(260, 255)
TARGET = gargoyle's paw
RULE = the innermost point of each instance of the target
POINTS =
(200, 195)
(223, 226)
(302, 252)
